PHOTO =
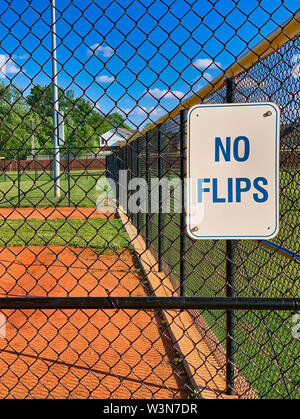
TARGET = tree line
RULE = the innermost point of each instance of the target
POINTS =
(27, 125)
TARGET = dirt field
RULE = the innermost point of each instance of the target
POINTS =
(80, 353)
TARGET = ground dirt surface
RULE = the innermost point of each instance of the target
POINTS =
(80, 353)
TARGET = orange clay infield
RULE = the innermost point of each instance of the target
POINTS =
(80, 353)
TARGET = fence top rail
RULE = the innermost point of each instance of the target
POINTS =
(267, 46)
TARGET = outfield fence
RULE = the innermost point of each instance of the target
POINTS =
(97, 299)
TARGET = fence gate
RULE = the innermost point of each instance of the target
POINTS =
(102, 292)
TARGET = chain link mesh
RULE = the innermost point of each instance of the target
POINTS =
(114, 109)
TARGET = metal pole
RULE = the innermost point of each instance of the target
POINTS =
(280, 250)
(132, 175)
(126, 160)
(160, 224)
(148, 178)
(69, 180)
(56, 152)
(148, 303)
(182, 215)
(117, 175)
(120, 157)
(19, 182)
(35, 168)
(138, 215)
(229, 269)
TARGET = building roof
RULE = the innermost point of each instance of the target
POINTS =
(117, 135)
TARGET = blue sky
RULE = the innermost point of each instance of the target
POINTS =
(138, 57)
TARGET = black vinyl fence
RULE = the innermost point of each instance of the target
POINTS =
(259, 345)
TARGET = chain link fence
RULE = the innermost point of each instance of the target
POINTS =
(99, 299)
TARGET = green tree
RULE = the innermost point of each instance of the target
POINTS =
(13, 130)
(83, 122)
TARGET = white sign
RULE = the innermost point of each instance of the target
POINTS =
(233, 171)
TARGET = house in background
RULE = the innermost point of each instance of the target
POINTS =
(116, 137)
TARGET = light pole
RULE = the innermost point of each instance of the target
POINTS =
(56, 152)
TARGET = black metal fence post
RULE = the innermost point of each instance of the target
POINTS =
(229, 269)
(117, 179)
(229, 319)
(122, 166)
(138, 174)
(183, 113)
(35, 168)
(148, 180)
(19, 181)
(69, 180)
(132, 174)
(129, 178)
(126, 158)
(160, 221)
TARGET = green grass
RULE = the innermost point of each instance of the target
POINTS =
(39, 192)
(95, 233)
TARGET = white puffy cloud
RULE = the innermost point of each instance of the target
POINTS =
(21, 57)
(105, 51)
(205, 63)
(8, 66)
(165, 94)
(105, 79)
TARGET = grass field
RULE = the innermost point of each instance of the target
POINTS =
(96, 233)
(38, 191)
